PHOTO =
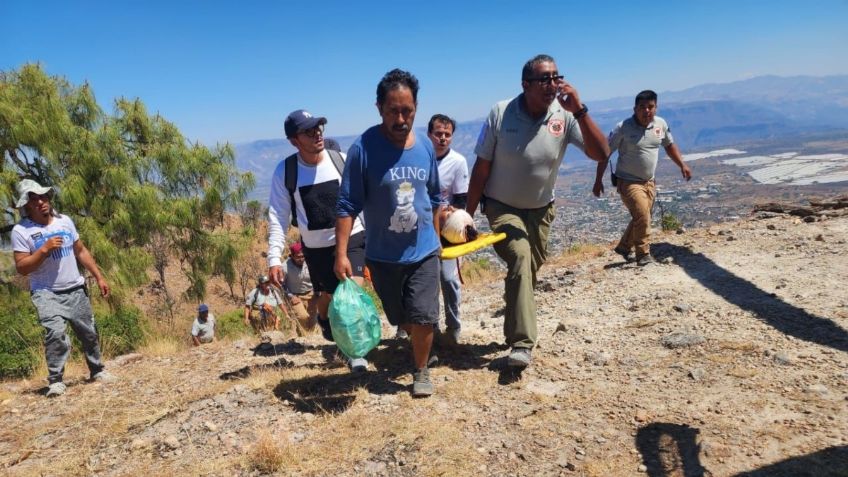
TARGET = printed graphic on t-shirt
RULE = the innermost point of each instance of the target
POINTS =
(65, 250)
(404, 219)
(319, 203)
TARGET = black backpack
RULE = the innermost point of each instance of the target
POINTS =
(291, 177)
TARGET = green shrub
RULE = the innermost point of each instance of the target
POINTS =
(20, 334)
(670, 222)
(231, 324)
(121, 331)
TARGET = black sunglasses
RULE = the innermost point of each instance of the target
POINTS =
(547, 79)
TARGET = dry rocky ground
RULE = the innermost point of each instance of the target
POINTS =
(729, 357)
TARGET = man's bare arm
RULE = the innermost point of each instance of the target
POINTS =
(674, 153)
(477, 183)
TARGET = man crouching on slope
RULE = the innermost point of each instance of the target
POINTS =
(392, 175)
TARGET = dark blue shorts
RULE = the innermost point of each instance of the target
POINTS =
(409, 292)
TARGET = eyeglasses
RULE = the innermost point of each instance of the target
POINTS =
(37, 197)
(547, 79)
(314, 131)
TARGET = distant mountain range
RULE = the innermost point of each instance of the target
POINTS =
(701, 117)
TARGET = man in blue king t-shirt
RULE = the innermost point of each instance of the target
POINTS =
(392, 175)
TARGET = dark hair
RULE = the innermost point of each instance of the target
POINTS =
(527, 71)
(395, 79)
(442, 119)
(646, 95)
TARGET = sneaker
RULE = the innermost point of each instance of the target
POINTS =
(421, 385)
(357, 365)
(401, 334)
(645, 260)
(56, 389)
(519, 358)
(104, 377)
(326, 331)
(626, 254)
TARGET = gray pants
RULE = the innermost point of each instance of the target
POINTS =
(54, 311)
(451, 292)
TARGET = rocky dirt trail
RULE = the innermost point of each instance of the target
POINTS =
(728, 357)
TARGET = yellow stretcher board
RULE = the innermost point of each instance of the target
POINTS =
(482, 240)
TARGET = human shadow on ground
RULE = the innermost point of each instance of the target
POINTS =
(281, 363)
(784, 317)
(290, 347)
(670, 449)
(334, 393)
(830, 462)
(506, 374)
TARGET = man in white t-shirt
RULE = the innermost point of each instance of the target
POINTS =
(203, 328)
(48, 250)
(310, 201)
(453, 181)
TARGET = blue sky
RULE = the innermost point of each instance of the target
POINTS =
(226, 71)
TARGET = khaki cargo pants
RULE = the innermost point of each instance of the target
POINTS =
(524, 250)
(638, 197)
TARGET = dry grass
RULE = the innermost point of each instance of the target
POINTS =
(644, 322)
(743, 346)
(416, 432)
(478, 271)
(579, 252)
(105, 414)
(163, 345)
(268, 456)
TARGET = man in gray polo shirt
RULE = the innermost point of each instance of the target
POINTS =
(638, 140)
(519, 152)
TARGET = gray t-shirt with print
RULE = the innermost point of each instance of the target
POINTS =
(526, 153)
(59, 270)
(638, 147)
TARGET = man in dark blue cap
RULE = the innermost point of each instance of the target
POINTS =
(203, 328)
(304, 191)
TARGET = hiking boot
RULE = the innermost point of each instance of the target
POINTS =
(646, 259)
(56, 389)
(358, 365)
(421, 385)
(326, 331)
(104, 377)
(627, 255)
(519, 358)
(401, 334)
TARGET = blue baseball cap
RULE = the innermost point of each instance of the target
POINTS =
(203, 307)
(301, 120)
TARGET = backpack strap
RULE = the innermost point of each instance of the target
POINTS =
(291, 184)
(336, 157)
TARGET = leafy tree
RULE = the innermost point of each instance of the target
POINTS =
(134, 185)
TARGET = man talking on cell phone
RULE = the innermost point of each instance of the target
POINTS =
(519, 151)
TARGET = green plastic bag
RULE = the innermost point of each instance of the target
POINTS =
(354, 320)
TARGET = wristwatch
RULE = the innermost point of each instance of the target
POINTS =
(581, 112)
